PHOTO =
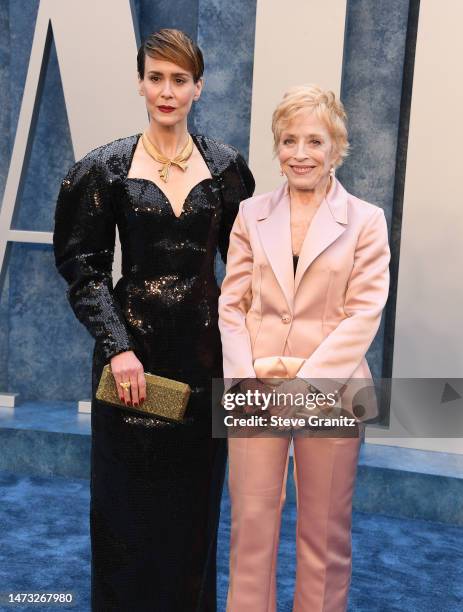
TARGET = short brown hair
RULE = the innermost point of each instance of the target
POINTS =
(172, 46)
(324, 103)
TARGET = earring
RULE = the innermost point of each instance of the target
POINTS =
(281, 172)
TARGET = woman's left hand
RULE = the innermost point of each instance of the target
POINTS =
(287, 403)
(298, 399)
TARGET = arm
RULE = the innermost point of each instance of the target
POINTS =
(341, 352)
(83, 241)
(234, 303)
(237, 185)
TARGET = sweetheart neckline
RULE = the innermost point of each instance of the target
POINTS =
(140, 178)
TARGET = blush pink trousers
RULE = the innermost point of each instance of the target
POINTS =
(325, 472)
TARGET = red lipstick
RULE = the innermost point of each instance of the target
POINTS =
(166, 109)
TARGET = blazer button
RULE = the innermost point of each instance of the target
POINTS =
(285, 318)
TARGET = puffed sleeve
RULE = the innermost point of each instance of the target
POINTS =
(237, 184)
(83, 242)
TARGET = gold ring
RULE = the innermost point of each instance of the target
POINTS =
(125, 385)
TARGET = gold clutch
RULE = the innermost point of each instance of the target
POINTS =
(165, 397)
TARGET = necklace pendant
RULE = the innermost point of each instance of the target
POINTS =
(164, 173)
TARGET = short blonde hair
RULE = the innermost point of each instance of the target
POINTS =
(324, 103)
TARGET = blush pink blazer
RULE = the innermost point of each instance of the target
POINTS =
(329, 313)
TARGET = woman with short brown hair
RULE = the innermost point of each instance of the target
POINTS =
(155, 484)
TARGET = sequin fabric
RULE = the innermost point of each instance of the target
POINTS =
(155, 485)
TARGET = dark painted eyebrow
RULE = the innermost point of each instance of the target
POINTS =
(175, 74)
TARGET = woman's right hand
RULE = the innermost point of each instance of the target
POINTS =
(126, 367)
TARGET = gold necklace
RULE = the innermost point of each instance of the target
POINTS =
(179, 160)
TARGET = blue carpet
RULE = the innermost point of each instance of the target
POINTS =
(400, 565)
(392, 481)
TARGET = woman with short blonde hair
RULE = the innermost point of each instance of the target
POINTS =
(307, 279)
(324, 104)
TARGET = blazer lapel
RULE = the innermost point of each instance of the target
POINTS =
(275, 233)
(328, 223)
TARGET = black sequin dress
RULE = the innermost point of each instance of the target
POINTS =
(155, 486)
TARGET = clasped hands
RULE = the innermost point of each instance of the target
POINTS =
(286, 398)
